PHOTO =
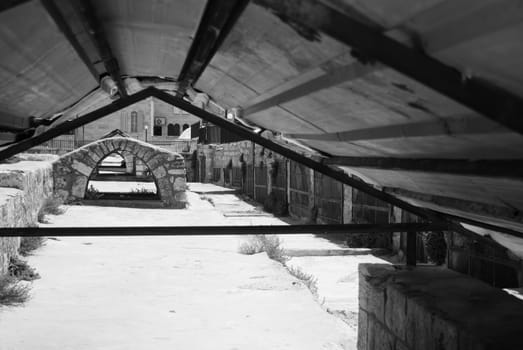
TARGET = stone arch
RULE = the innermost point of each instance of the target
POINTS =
(71, 171)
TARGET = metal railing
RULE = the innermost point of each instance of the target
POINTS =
(65, 144)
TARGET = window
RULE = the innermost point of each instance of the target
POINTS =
(134, 121)
(185, 127)
(173, 130)
(157, 130)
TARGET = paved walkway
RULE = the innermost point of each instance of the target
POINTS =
(166, 292)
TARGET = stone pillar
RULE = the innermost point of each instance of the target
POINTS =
(434, 308)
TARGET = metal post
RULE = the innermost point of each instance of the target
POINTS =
(411, 248)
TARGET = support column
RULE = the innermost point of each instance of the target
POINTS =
(411, 248)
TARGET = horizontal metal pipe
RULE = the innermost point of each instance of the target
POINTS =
(217, 230)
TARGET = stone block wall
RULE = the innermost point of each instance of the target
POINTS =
(434, 308)
(24, 186)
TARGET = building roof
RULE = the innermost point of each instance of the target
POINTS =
(422, 99)
(114, 133)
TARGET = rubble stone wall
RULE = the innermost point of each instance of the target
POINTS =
(434, 308)
(72, 170)
(24, 186)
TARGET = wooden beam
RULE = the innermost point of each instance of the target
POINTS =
(217, 21)
(218, 230)
(69, 125)
(505, 168)
(303, 85)
(87, 13)
(62, 24)
(481, 96)
(467, 125)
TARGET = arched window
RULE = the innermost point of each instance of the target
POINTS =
(134, 121)
(170, 129)
(173, 130)
(185, 127)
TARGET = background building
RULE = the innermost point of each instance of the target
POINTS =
(149, 120)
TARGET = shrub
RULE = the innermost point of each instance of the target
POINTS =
(142, 190)
(29, 244)
(52, 205)
(270, 244)
(436, 247)
(368, 240)
(21, 270)
(252, 246)
(12, 292)
(92, 193)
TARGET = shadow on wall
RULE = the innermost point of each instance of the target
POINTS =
(71, 172)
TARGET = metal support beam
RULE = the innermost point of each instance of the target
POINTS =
(57, 16)
(290, 154)
(87, 13)
(504, 168)
(217, 21)
(494, 102)
(411, 257)
(336, 174)
(217, 230)
(9, 4)
(73, 124)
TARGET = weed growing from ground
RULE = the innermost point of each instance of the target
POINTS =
(253, 245)
(272, 245)
(52, 205)
(21, 270)
(142, 191)
(29, 244)
(309, 280)
(12, 292)
(92, 193)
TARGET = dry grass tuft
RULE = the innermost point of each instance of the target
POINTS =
(52, 205)
(21, 270)
(12, 292)
(271, 244)
(253, 245)
(309, 280)
(30, 244)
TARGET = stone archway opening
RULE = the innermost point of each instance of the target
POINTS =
(117, 180)
(73, 171)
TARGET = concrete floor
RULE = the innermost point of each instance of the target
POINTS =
(166, 293)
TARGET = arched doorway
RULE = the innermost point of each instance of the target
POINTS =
(111, 183)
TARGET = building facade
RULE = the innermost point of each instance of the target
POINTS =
(149, 120)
